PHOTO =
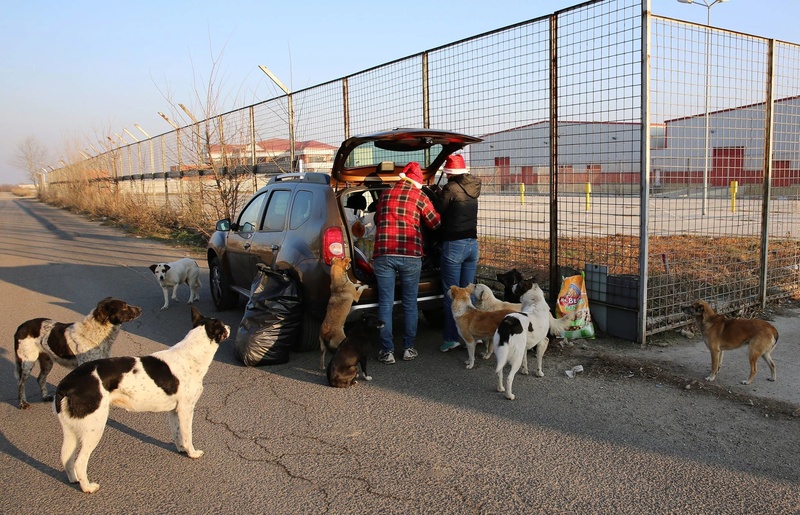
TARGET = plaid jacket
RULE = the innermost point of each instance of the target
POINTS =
(401, 210)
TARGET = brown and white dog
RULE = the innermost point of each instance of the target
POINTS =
(172, 275)
(43, 340)
(170, 380)
(721, 333)
(343, 293)
(353, 351)
(486, 301)
(474, 324)
(522, 331)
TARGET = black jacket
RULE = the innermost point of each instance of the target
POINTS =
(457, 203)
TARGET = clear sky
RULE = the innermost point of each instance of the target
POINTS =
(72, 72)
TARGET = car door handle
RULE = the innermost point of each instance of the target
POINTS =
(275, 247)
(247, 246)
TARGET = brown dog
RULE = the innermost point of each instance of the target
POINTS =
(343, 294)
(474, 324)
(721, 333)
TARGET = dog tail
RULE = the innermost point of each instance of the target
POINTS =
(559, 325)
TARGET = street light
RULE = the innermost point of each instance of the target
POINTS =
(708, 4)
(291, 111)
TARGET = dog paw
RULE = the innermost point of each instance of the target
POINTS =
(510, 396)
(368, 378)
(523, 371)
(195, 454)
(501, 389)
(469, 364)
(711, 378)
(90, 488)
(539, 373)
(164, 307)
(746, 381)
(47, 398)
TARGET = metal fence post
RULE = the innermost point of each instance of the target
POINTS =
(644, 175)
(767, 178)
(555, 280)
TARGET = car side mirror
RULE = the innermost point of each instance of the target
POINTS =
(224, 225)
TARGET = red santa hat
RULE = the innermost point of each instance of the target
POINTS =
(454, 165)
(412, 173)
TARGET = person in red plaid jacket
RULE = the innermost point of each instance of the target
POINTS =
(398, 252)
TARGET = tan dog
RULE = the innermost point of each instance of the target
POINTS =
(474, 324)
(486, 301)
(343, 294)
(721, 333)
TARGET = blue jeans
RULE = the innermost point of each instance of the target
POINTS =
(386, 269)
(458, 265)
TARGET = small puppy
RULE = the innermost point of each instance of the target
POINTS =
(520, 332)
(170, 380)
(509, 279)
(43, 340)
(473, 324)
(343, 367)
(721, 333)
(486, 301)
(343, 293)
(171, 275)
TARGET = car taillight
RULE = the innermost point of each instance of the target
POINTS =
(332, 244)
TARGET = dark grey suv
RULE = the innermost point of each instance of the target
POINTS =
(299, 221)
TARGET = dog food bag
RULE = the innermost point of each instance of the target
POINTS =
(572, 299)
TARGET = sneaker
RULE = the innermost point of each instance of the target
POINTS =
(386, 356)
(446, 346)
(410, 354)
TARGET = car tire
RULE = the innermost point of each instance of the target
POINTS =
(434, 317)
(309, 334)
(221, 293)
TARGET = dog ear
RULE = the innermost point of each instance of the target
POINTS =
(102, 312)
(153, 268)
(197, 317)
(166, 268)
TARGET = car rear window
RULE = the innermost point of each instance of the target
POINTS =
(368, 155)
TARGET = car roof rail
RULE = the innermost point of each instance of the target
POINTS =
(315, 177)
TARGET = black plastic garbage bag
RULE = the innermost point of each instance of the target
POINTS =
(272, 320)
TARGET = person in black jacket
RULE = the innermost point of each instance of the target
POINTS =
(457, 203)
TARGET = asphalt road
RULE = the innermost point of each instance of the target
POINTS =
(426, 436)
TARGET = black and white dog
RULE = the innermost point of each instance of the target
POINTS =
(354, 350)
(43, 340)
(170, 380)
(520, 332)
(172, 275)
(509, 280)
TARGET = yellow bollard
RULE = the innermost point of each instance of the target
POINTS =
(522, 193)
(588, 196)
(734, 189)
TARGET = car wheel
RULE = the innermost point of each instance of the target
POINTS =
(434, 317)
(221, 293)
(309, 335)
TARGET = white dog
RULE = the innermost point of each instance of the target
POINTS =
(176, 273)
(520, 332)
(170, 380)
(486, 301)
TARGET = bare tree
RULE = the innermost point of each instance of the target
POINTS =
(30, 156)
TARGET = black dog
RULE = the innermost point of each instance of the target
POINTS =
(509, 279)
(354, 349)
